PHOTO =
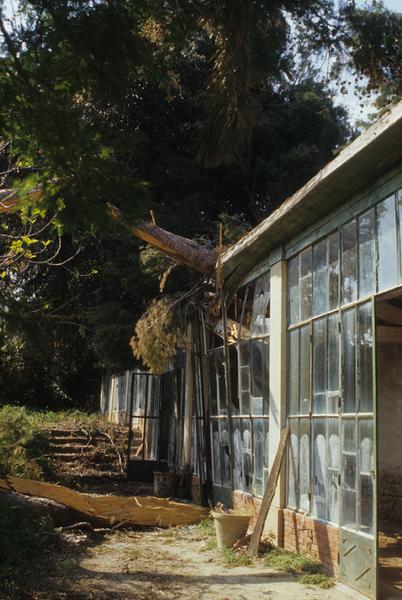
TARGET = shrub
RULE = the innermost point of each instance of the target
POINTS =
(23, 539)
(23, 445)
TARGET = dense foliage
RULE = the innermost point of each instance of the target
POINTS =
(200, 110)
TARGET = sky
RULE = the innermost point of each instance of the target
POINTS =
(349, 100)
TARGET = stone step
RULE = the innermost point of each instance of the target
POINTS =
(69, 448)
(61, 441)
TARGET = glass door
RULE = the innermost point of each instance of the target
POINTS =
(358, 536)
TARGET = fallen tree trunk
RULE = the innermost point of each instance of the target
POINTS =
(189, 252)
(108, 511)
(62, 516)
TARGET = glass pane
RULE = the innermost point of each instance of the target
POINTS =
(216, 452)
(294, 372)
(349, 473)
(225, 452)
(237, 458)
(365, 359)
(246, 455)
(305, 370)
(366, 228)
(221, 382)
(259, 456)
(387, 252)
(333, 364)
(293, 287)
(305, 284)
(293, 462)
(234, 386)
(265, 381)
(366, 466)
(213, 394)
(260, 317)
(246, 312)
(333, 469)
(320, 278)
(349, 366)
(333, 270)
(349, 263)
(319, 366)
(257, 375)
(266, 451)
(319, 509)
(244, 376)
(304, 465)
(399, 201)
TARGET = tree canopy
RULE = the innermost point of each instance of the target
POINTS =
(201, 110)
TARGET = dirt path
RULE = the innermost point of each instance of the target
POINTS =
(166, 565)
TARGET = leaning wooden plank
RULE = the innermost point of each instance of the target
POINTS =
(135, 510)
(268, 494)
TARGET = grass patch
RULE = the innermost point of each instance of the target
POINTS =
(232, 559)
(69, 419)
(207, 527)
(23, 445)
(210, 544)
(293, 563)
(318, 579)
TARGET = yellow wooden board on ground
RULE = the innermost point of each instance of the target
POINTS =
(135, 510)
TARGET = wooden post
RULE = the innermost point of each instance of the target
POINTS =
(268, 494)
(188, 397)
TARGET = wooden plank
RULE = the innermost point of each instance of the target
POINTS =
(389, 313)
(268, 494)
(389, 335)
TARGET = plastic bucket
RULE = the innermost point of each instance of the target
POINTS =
(166, 485)
(229, 528)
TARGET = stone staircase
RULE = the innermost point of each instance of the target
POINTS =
(77, 453)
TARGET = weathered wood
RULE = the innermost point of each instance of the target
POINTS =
(389, 313)
(268, 494)
(34, 507)
(389, 335)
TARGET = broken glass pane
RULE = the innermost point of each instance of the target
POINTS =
(225, 452)
(260, 317)
(265, 381)
(386, 240)
(246, 455)
(366, 228)
(320, 278)
(349, 263)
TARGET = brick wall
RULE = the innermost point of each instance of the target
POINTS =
(310, 536)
